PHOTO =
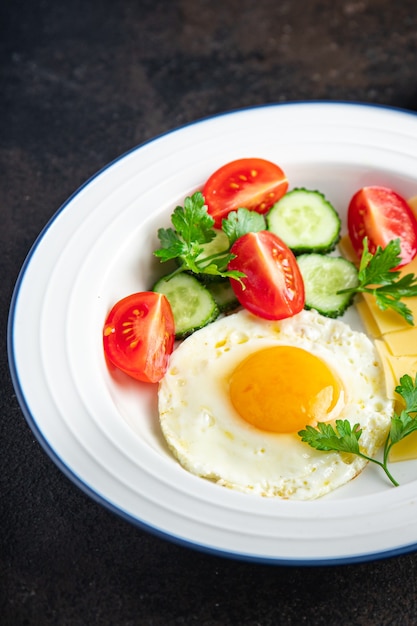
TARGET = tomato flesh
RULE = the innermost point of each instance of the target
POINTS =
(138, 335)
(255, 184)
(381, 215)
(273, 287)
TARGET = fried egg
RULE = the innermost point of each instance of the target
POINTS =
(237, 392)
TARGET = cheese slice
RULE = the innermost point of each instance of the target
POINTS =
(404, 450)
(394, 367)
(346, 249)
(401, 365)
(389, 321)
(391, 380)
(386, 321)
(402, 342)
(368, 320)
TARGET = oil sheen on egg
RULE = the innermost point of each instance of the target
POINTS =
(237, 392)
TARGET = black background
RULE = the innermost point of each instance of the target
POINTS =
(80, 84)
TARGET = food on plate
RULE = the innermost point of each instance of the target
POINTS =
(405, 449)
(271, 285)
(224, 296)
(306, 221)
(393, 330)
(192, 304)
(396, 343)
(197, 246)
(228, 394)
(261, 452)
(324, 278)
(344, 437)
(253, 183)
(378, 278)
(210, 254)
(381, 215)
(263, 272)
(138, 335)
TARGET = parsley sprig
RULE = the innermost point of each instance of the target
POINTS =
(378, 276)
(192, 227)
(346, 438)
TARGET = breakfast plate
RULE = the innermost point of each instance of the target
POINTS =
(102, 428)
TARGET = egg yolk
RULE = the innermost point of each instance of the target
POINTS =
(282, 389)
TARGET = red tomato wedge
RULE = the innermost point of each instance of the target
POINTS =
(138, 335)
(273, 287)
(381, 215)
(255, 184)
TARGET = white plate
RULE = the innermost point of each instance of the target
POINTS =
(102, 429)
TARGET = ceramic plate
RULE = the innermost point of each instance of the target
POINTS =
(102, 429)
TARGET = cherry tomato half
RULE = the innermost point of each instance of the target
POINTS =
(255, 184)
(382, 215)
(138, 335)
(273, 285)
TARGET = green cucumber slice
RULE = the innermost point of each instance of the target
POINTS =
(223, 295)
(192, 304)
(220, 243)
(323, 277)
(305, 221)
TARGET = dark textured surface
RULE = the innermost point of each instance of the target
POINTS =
(81, 83)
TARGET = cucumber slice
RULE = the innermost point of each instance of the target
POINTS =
(323, 277)
(223, 295)
(192, 304)
(305, 221)
(220, 243)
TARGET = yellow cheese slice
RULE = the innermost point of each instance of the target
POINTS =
(391, 380)
(398, 365)
(404, 450)
(386, 321)
(346, 249)
(401, 365)
(402, 342)
(395, 367)
(368, 320)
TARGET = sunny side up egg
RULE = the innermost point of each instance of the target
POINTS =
(237, 392)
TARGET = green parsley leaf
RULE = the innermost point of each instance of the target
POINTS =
(192, 227)
(378, 268)
(407, 389)
(325, 437)
(344, 438)
(241, 222)
(401, 426)
(378, 276)
(172, 245)
(192, 222)
(405, 423)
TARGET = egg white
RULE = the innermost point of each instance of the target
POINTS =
(211, 440)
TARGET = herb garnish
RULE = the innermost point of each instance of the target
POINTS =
(193, 227)
(345, 438)
(377, 276)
